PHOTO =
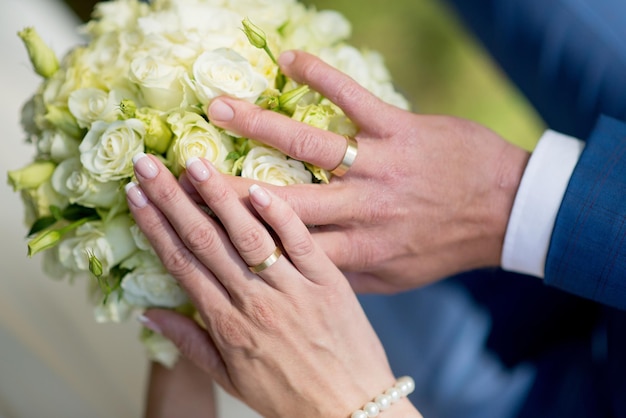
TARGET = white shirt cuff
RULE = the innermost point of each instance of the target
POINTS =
(537, 203)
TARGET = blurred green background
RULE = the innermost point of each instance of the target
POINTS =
(435, 62)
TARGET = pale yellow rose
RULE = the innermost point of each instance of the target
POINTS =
(159, 81)
(108, 148)
(152, 286)
(272, 166)
(225, 72)
(195, 137)
(88, 105)
(110, 242)
(57, 145)
(71, 180)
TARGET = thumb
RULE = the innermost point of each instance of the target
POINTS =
(191, 340)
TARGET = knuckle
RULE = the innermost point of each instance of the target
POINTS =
(231, 331)
(305, 145)
(201, 238)
(301, 247)
(262, 313)
(167, 195)
(346, 91)
(249, 240)
(179, 262)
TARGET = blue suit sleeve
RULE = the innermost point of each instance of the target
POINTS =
(587, 254)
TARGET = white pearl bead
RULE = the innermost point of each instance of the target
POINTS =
(371, 409)
(383, 401)
(409, 383)
(394, 394)
(359, 414)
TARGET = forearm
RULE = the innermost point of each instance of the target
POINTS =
(184, 391)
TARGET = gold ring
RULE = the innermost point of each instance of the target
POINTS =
(348, 158)
(267, 262)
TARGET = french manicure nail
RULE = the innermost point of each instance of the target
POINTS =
(147, 322)
(135, 195)
(197, 170)
(286, 58)
(144, 166)
(220, 111)
(259, 195)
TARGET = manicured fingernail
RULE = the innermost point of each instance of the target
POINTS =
(144, 166)
(259, 195)
(286, 58)
(197, 170)
(147, 322)
(135, 195)
(219, 110)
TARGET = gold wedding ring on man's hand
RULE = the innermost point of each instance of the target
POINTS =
(267, 262)
(348, 157)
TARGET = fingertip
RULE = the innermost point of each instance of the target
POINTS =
(286, 58)
(259, 196)
(220, 111)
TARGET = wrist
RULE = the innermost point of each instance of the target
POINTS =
(394, 399)
(512, 166)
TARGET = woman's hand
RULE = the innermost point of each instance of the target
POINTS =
(289, 341)
(427, 196)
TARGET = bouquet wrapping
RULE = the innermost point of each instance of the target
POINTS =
(142, 82)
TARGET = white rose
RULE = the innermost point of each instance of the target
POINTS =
(366, 69)
(272, 166)
(77, 184)
(160, 349)
(91, 104)
(268, 14)
(113, 16)
(115, 310)
(159, 81)
(225, 72)
(37, 201)
(146, 287)
(111, 242)
(108, 148)
(195, 137)
(141, 241)
(316, 30)
(57, 145)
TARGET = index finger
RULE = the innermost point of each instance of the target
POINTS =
(298, 140)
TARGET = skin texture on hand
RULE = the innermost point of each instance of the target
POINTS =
(427, 196)
(289, 341)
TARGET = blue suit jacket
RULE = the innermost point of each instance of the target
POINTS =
(569, 58)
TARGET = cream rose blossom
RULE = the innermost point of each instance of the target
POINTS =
(225, 72)
(195, 137)
(108, 148)
(272, 166)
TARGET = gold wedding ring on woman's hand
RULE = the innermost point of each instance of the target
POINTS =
(348, 157)
(267, 262)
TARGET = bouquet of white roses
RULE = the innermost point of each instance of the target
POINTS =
(142, 83)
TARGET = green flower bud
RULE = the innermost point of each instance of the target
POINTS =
(43, 241)
(95, 265)
(128, 108)
(31, 176)
(62, 119)
(158, 134)
(257, 37)
(42, 57)
(289, 100)
(255, 34)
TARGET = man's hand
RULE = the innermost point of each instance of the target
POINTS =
(427, 196)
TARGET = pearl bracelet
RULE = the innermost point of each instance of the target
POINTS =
(402, 388)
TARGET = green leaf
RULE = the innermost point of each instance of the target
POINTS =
(75, 212)
(41, 224)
